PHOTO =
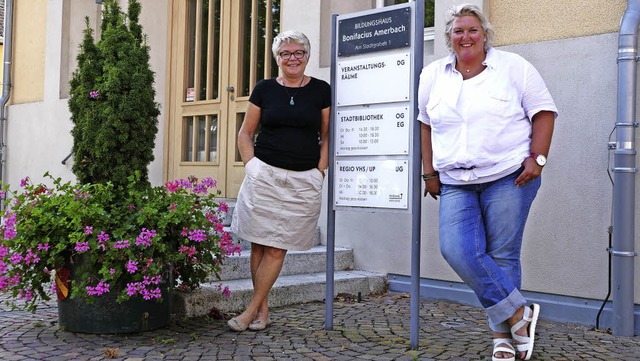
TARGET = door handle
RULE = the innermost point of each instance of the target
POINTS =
(230, 89)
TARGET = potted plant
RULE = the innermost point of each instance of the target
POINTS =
(111, 246)
(95, 241)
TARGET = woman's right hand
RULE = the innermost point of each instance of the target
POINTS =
(432, 187)
(247, 132)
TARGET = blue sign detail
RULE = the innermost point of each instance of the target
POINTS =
(375, 32)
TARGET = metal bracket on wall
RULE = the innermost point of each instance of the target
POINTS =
(620, 58)
(624, 170)
(634, 124)
(622, 254)
(64, 161)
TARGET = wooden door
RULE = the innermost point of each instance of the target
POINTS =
(219, 50)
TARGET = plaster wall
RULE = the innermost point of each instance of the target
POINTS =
(565, 251)
(1, 59)
(525, 21)
(74, 16)
(566, 237)
(48, 119)
(313, 18)
(48, 124)
(155, 23)
(303, 16)
(45, 117)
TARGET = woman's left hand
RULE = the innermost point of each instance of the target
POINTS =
(531, 171)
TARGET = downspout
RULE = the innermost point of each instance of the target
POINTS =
(624, 169)
(6, 80)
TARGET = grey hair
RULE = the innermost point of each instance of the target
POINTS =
(290, 36)
(456, 11)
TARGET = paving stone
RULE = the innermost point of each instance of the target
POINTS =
(375, 329)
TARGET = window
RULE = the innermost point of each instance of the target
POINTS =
(429, 9)
(429, 6)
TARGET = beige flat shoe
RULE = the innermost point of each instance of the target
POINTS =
(236, 325)
(259, 325)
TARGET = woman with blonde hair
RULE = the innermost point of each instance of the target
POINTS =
(487, 121)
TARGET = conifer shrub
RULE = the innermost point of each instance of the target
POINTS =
(112, 100)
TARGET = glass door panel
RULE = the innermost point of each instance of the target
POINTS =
(220, 49)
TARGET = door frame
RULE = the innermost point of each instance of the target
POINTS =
(229, 108)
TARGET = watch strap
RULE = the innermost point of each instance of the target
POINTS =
(535, 157)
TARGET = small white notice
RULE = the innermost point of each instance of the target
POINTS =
(372, 183)
(373, 130)
(374, 79)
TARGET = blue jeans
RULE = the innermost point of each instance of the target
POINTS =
(481, 228)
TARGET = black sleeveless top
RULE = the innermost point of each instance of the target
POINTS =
(288, 135)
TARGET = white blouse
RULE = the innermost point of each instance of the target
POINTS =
(481, 127)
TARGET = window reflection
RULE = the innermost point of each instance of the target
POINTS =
(203, 53)
(213, 139)
(187, 139)
(267, 13)
(429, 7)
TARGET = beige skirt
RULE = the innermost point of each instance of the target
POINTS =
(278, 207)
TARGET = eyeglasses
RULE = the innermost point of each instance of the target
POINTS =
(298, 54)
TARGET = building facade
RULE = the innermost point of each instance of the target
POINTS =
(208, 54)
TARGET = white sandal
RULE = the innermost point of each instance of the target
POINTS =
(524, 343)
(506, 349)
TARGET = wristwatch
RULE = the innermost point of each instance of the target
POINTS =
(539, 158)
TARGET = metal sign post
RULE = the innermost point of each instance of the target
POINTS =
(374, 141)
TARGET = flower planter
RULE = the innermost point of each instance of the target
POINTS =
(108, 241)
(105, 315)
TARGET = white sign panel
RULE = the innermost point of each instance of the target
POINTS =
(374, 79)
(372, 183)
(374, 130)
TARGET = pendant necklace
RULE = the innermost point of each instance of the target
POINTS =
(291, 102)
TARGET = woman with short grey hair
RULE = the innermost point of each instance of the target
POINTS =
(291, 36)
(280, 197)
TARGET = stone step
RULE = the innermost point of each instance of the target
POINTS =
(313, 260)
(288, 290)
(231, 205)
(302, 279)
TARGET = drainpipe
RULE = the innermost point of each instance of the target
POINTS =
(624, 174)
(6, 78)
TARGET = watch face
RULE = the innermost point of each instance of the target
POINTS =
(541, 160)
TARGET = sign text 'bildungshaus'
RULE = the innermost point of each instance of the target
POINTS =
(373, 87)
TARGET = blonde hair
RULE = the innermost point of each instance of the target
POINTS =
(290, 36)
(456, 11)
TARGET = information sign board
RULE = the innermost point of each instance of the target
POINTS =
(374, 32)
(373, 81)
(373, 130)
(372, 183)
(380, 79)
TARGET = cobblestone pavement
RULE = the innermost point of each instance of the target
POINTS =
(375, 329)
